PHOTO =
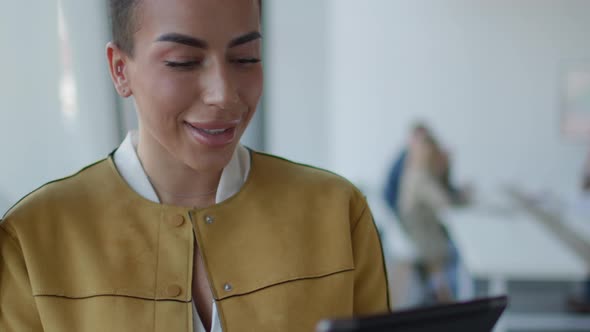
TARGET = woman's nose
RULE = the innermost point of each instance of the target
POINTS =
(219, 89)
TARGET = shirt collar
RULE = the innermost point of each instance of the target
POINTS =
(233, 175)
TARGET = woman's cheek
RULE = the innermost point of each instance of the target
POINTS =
(174, 94)
(251, 85)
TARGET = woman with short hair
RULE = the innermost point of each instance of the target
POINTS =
(182, 227)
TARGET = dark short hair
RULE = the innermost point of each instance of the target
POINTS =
(124, 22)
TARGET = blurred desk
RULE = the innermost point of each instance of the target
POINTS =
(509, 245)
(568, 225)
(501, 246)
(581, 226)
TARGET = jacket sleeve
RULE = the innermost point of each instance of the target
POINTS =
(371, 293)
(17, 305)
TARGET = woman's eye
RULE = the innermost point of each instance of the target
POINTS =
(182, 65)
(247, 61)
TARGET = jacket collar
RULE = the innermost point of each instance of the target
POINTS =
(127, 162)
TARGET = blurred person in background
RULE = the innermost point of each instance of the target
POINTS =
(181, 227)
(392, 187)
(425, 190)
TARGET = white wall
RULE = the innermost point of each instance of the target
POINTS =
(57, 106)
(483, 73)
(296, 80)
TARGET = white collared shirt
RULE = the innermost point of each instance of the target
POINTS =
(233, 177)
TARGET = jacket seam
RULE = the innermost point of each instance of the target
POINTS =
(383, 263)
(10, 235)
(319, 276)
(381, 250)
(189, 275)
(107, 295)
(157, 265)
(12, 238)
(358, 219)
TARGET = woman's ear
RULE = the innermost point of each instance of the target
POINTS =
(117, 67)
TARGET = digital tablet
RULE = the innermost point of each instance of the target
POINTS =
(478, 315)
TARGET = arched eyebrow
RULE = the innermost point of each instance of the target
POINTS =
(250, 36)
(200, 43)
(179, 38)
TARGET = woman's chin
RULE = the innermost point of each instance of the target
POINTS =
(210, 161)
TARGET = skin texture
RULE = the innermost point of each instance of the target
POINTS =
(215, 85)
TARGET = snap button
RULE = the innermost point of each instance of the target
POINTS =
(177, 220)
(209, 220)
(227, 287)
(173, 290)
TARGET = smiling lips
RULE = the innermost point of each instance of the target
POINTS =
(213, 134)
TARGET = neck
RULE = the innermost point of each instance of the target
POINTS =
(175, 182)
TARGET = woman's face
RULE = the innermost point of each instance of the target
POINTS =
(196, 77)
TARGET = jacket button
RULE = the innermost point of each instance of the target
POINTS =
(177, 221)
(209, 220)
(228, 287)
(173, 291)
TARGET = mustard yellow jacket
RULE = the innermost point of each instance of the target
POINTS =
(87, 253)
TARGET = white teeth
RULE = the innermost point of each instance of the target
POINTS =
(214, 131)
(210, 131)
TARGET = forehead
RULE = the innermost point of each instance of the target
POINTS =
(207, 19)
